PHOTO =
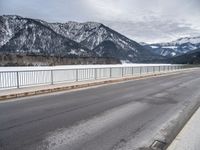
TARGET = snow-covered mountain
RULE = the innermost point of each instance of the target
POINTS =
(176, 48)
(192, 57)
(20, 34)
(25, 35)
(96, 36)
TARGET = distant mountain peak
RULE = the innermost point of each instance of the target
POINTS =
(192, 40)
(89, 23)
(11, 16)
(176, 47)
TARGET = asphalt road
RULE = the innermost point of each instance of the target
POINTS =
(129, 115)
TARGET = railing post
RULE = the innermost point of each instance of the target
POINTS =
(76, 75)
(51, 77)
(132, 71)
(95, 73)
(110, 72)
(153, 69)
(18, 80)
(122, 71)
(140, 71)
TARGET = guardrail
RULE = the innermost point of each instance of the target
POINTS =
(26, 78)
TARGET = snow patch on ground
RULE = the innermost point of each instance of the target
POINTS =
(173, 54)
(125, 62)
(152, 46)
(170, 47)
(73, 52)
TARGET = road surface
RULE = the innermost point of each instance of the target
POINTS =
(129, 115)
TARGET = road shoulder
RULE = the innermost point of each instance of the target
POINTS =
(189, 137)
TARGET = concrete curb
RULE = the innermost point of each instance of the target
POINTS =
(188, 137)
(80, 85)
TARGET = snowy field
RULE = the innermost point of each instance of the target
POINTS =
(16, 77)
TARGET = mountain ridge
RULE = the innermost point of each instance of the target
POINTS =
(32, 36)
(176, 47)
(71, 38)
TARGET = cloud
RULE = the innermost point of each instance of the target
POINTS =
(141, 20)
(152, 31)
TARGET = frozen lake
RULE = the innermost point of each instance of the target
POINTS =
(22, 68)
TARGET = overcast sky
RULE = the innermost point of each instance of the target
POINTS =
(141, 20)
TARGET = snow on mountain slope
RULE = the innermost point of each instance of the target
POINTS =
(9, 25)
(103, 40)
(72, 38)
(192, 40)
(178, 47)
(24, 35)
(90, 34)
(77, 31)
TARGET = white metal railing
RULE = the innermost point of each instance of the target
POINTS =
(32, 77)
